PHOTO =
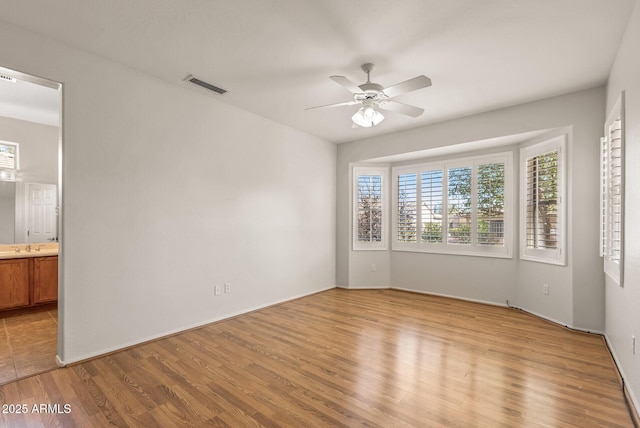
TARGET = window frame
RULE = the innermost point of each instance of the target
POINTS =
(369, 171)
(556, 256)
(613, 267)
(445, 247)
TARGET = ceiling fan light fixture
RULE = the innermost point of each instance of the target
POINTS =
(367, 117)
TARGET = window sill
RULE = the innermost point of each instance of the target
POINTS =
(370, 249)
(450, 252)
(543, 260)
(612, 271)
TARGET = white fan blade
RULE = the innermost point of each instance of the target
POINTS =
(346, 83)
(407, 86)
(346, 103)
(397, 107)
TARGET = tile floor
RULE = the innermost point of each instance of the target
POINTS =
(28, 342)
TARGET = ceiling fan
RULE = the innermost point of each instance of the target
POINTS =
(373, 95)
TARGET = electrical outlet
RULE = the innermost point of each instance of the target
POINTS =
(633, 344)
(374, 268)
(227, 287)
(217, 290)
(545, 288)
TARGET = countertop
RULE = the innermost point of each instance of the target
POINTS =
(44, 250)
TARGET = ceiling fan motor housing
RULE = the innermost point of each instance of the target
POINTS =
(370, 91)
(371, 87)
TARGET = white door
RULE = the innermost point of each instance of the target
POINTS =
(43, 222)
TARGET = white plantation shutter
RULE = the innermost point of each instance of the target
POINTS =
(614, 190)
(490, 204)
(8, 155)
(8, 161)
(542, 201)
(604, 149)
(369, 208)
(612, 193)
(459, 205)
(542, 221)
(431, 206)
(407, 207)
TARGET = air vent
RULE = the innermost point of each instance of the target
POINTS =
(6, 78)
(205, 85)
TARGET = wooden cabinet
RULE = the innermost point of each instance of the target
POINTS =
(14, 283)
(45, 279)
(28, 281)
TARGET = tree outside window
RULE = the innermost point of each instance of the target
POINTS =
(369, 208)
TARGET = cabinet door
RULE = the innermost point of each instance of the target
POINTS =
(45, 279)
(14, 283)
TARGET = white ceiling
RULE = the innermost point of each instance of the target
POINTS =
(29, 101)
(275, 56)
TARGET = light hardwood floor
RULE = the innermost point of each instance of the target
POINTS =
(342, 358)
(28, 342)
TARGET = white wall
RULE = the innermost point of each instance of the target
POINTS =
(623, 304)
(576, 296)
(166, 192)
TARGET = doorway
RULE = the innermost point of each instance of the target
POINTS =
(30, 260)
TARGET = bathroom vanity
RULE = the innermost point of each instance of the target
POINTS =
(28, 278)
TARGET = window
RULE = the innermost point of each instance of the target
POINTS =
(407, 208)
(542, 212)
(369, 226)
(491, 204)
(612, 193)
(8, 161)
(431, 214)
(454, 207)
(459, 205)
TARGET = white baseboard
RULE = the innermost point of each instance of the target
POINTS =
(59, 362)
(632, 396)
(364, 287)
(563, 324)
(488, 302)
(484, 302)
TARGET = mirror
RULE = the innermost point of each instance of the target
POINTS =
(7, 212)
(29, 121)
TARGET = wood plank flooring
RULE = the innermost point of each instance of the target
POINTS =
(28, 342)
(374, 358)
